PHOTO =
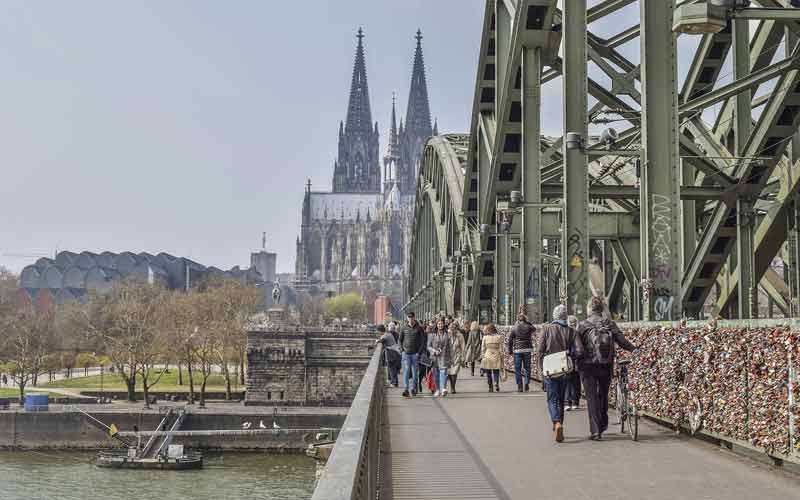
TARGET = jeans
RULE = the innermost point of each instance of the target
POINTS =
(596, 381)
(440, 378)
(410, 370)
(522, 360)
(555, 387)
(492, 374)
(573, 397)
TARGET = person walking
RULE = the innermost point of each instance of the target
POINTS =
(557, 337)
(425, 360)
(457, 348)
(391, 353)
(492, 356)
(394, 332)
(473, 348)
(520, 345)
(572, 400)
(599, 336)
(411, 345)
(441, 354)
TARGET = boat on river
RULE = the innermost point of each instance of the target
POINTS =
(158, 453)
(122, 460)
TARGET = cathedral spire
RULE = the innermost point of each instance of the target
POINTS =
(359, 115)
(393, 130)
(358, 163)
(418, 113)
(436, 127)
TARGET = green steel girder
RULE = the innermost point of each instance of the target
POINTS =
(771, 233)
(767, 141)
(706, 65)
(753, 80)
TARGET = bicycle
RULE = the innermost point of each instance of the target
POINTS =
(626, 411)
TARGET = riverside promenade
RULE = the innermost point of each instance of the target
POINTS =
(477, 445)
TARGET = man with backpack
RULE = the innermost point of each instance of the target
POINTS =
(560, 344)
(520, 346)
(599, 336)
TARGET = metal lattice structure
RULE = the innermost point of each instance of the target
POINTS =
(682, 213)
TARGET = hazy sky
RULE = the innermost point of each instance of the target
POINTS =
(191, 126)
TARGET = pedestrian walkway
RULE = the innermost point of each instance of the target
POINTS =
(476, 445)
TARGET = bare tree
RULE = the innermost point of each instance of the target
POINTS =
(231, 304)
(310, 308)
(126, 320)
(28, 338)
(180, 323)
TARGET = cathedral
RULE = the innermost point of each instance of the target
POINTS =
(356, 236)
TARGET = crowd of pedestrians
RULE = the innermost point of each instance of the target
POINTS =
(573, 357)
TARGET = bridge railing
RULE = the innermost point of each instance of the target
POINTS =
(734, 381)
(353, 469)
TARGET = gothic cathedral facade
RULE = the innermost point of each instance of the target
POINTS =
(356, 236)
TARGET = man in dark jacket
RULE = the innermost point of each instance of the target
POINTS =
(558, 337)
(520, 345)
(412, 343)
(599, 336)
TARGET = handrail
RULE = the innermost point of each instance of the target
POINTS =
(352, 470)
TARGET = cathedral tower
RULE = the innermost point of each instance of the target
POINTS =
(357, 169)
(417, 125)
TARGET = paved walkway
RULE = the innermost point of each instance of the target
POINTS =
(476, 445)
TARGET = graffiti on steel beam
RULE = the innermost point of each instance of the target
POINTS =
(661, 230)
(576, 275)
(532, 289)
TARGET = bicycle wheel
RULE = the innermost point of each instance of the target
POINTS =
(621, 407)
(633, 424)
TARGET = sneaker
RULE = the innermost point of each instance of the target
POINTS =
(559, 432)
(568, 408)
(444, 393)
(436, 394)
(406, 395)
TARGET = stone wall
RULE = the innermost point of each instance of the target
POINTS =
(290, 366)
(72, 431)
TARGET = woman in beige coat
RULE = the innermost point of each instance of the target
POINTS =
(457, 349)
(492, 354)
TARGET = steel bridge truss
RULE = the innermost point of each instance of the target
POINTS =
(682, 213)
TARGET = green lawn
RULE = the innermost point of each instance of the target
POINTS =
(14, 393)
(167, 383)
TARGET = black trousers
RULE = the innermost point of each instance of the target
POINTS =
(596, 381)
(573, 397)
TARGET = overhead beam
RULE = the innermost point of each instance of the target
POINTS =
(575, 236)
(661, 240)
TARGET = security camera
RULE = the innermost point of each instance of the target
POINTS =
(609, 137)
(515, 197)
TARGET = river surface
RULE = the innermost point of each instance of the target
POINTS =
(230, 476)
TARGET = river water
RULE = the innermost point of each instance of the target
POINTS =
(230, 476)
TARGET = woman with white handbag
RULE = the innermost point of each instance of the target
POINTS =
(555, 344)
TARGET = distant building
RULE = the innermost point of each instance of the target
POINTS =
(71, 276)
(356, 236)
(264, 263)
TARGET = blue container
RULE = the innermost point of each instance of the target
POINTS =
(36, 402)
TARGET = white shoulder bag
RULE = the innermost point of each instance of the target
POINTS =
(557, 365)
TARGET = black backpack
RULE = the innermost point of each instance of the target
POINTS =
(601, 343)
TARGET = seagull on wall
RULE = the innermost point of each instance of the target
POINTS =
(261, 424)
(246, 425)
